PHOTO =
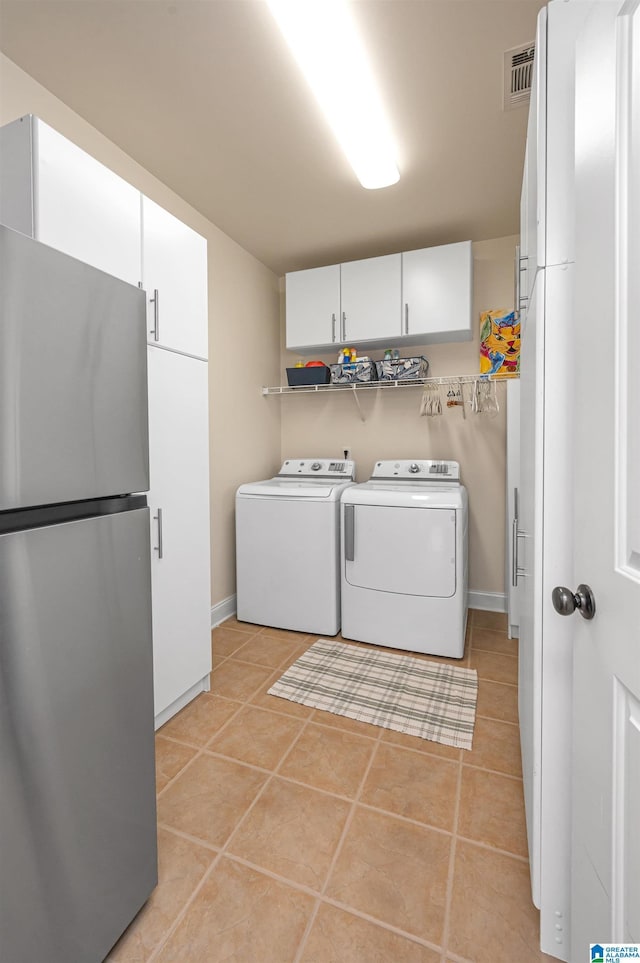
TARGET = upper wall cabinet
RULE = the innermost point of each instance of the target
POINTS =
(313, 307)
(399, 299)
(55, 192)
(437, 293)
(174, 275)
(371, 293)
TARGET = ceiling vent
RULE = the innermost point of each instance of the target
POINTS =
(518, 76)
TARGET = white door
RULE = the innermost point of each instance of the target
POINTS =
(179, 503)
(606, 738)
(174, 275)
(371, 298)
(313, 307)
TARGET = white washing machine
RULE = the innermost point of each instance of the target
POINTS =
(404, 564)
(288, 546)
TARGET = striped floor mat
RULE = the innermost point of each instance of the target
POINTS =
(427, 699)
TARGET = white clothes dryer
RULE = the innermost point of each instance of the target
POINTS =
(404, 564)
(288, 546)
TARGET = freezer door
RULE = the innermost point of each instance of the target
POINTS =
(73, 379)
(77, 787)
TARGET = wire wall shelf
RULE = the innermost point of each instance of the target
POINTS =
(354, 386)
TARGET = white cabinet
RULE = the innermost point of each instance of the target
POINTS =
(313, 307)
(179, 504)
(350, 303)
(534, 180)
(437, 293)
(174, 275)
(371, 293)
(513, 567)
(392, 301)
(55, 192)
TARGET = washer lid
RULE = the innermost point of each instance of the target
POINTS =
(321, 488)
(418, 495)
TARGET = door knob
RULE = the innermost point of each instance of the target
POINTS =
(565, 602)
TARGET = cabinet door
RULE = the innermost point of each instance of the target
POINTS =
(179, 503)
(513, 499)
(313, 307)
(174, 275)
(436, 292)
(371, 298)
(521, 267)
(82, 208)
(535, 160)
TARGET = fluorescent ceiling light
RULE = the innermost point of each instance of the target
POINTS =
(324, 40)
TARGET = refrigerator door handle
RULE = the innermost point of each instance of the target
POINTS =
(159, 547)
(155, 301)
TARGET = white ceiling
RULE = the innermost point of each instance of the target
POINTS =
(205, 95)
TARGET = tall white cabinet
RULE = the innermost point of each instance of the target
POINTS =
(179, 500)
(53, 191)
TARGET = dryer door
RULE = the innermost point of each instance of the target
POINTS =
(408, 551)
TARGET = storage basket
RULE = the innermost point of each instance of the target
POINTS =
(353, 371)
(403, 369)
(300, 377)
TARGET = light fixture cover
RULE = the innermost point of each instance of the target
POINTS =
(325, 42)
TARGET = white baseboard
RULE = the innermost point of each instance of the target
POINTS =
(203, 685)
(488, 601)
(223, 610)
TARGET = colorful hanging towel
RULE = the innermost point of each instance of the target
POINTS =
(500, 343)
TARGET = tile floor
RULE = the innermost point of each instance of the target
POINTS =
(290, 834)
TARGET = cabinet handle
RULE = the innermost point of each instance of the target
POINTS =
(349, 532)
(514, 553)
(158, 547)
(333, 327)
(520, 299)
(516, 571)
(344, 327)
(155, 330)
(406, 319)
(514, 541)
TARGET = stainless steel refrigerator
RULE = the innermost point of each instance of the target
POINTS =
(77, 788)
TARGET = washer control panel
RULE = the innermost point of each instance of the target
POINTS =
(318, 468)
(423, 471)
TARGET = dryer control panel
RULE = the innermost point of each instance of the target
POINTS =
(318, 468)
(419, 470)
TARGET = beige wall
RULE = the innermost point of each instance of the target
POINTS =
(243, 324)
(324, 424)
